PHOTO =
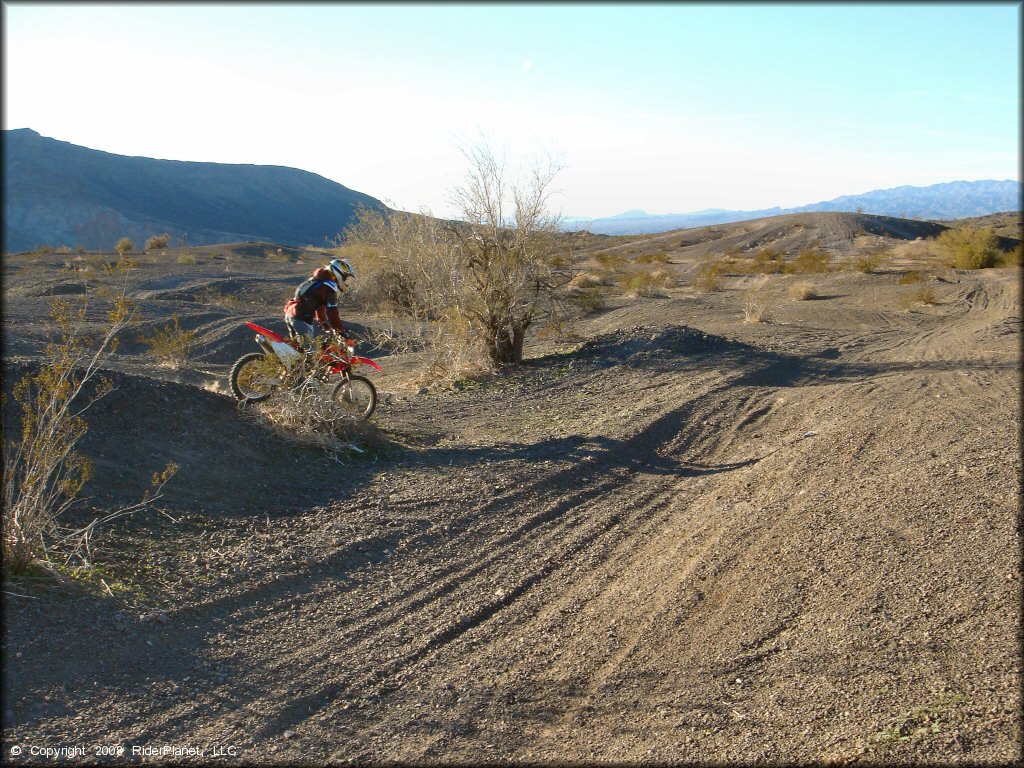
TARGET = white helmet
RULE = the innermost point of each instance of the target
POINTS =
(341, 270)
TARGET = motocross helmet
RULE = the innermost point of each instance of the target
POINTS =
(341, 270)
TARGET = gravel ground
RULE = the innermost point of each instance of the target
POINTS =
(680, 538)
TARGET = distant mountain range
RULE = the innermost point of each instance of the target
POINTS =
(57, 193)
(938, 202)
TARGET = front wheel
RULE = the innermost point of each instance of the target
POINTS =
(255, 377)
(356, 396)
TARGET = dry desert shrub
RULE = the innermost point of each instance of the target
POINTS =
(590, 298)
(910, 278)
(612, 261)
(756, 310)
(925, 294)
(457, 351)
(120, 266)
(408, 270)
(810, 260)
(310, 416)
(652, 258)
(43, 473)
(969, 248)
(1012, 258)
(589, 292)
(648, 283)
(187, 259)
(170, 345)
(123, 246)
(278, 255)
(397, 335)
(768, 261)
(870, 261)
(158, 242)
(217, 298)
(709, 277)
(499, 269)
(802, 291)
(589, 279)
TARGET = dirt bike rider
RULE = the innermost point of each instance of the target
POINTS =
(317, 299)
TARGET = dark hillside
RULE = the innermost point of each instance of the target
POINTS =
(1005, 223)
(62, 194)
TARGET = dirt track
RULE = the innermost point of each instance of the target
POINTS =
(685, 539)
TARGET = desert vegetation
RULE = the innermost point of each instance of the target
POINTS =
(589, 292)
(611, 260)
(171, 344)
(756, 308)
(653, 258)
(43, 470)
(810, 260)
(870, 261)
(910, 277)
(158, 242)
(709, 275)
(802, 291)
(308, 416)
(651, 442)
(486, 278)
(969, 248)
(922, 295)
(590, 298)
(647, 282)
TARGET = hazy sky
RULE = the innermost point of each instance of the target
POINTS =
(662, 107)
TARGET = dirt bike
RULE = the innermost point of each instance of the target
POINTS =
(284, 364)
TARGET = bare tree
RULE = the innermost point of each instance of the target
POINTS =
(486, 277)
(513, 256)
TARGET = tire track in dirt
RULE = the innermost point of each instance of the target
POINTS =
(489, 610)
(507, 542)
(587, 562)
(587, 538)
(660, 501)
(455, 580)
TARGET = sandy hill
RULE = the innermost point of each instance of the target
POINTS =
(1004, 223)
(840, 234)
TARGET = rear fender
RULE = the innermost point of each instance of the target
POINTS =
(267, 332)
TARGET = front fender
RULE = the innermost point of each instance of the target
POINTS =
(365, 361)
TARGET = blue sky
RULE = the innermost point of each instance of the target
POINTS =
(662, 107)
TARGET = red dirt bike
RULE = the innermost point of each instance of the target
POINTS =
(284, 365)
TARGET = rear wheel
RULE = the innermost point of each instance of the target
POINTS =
(356, 396)
(255, 377)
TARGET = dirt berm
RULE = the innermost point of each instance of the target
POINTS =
(684, 538)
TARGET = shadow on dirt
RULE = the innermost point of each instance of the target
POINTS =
(225, 456)
(230, 466)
